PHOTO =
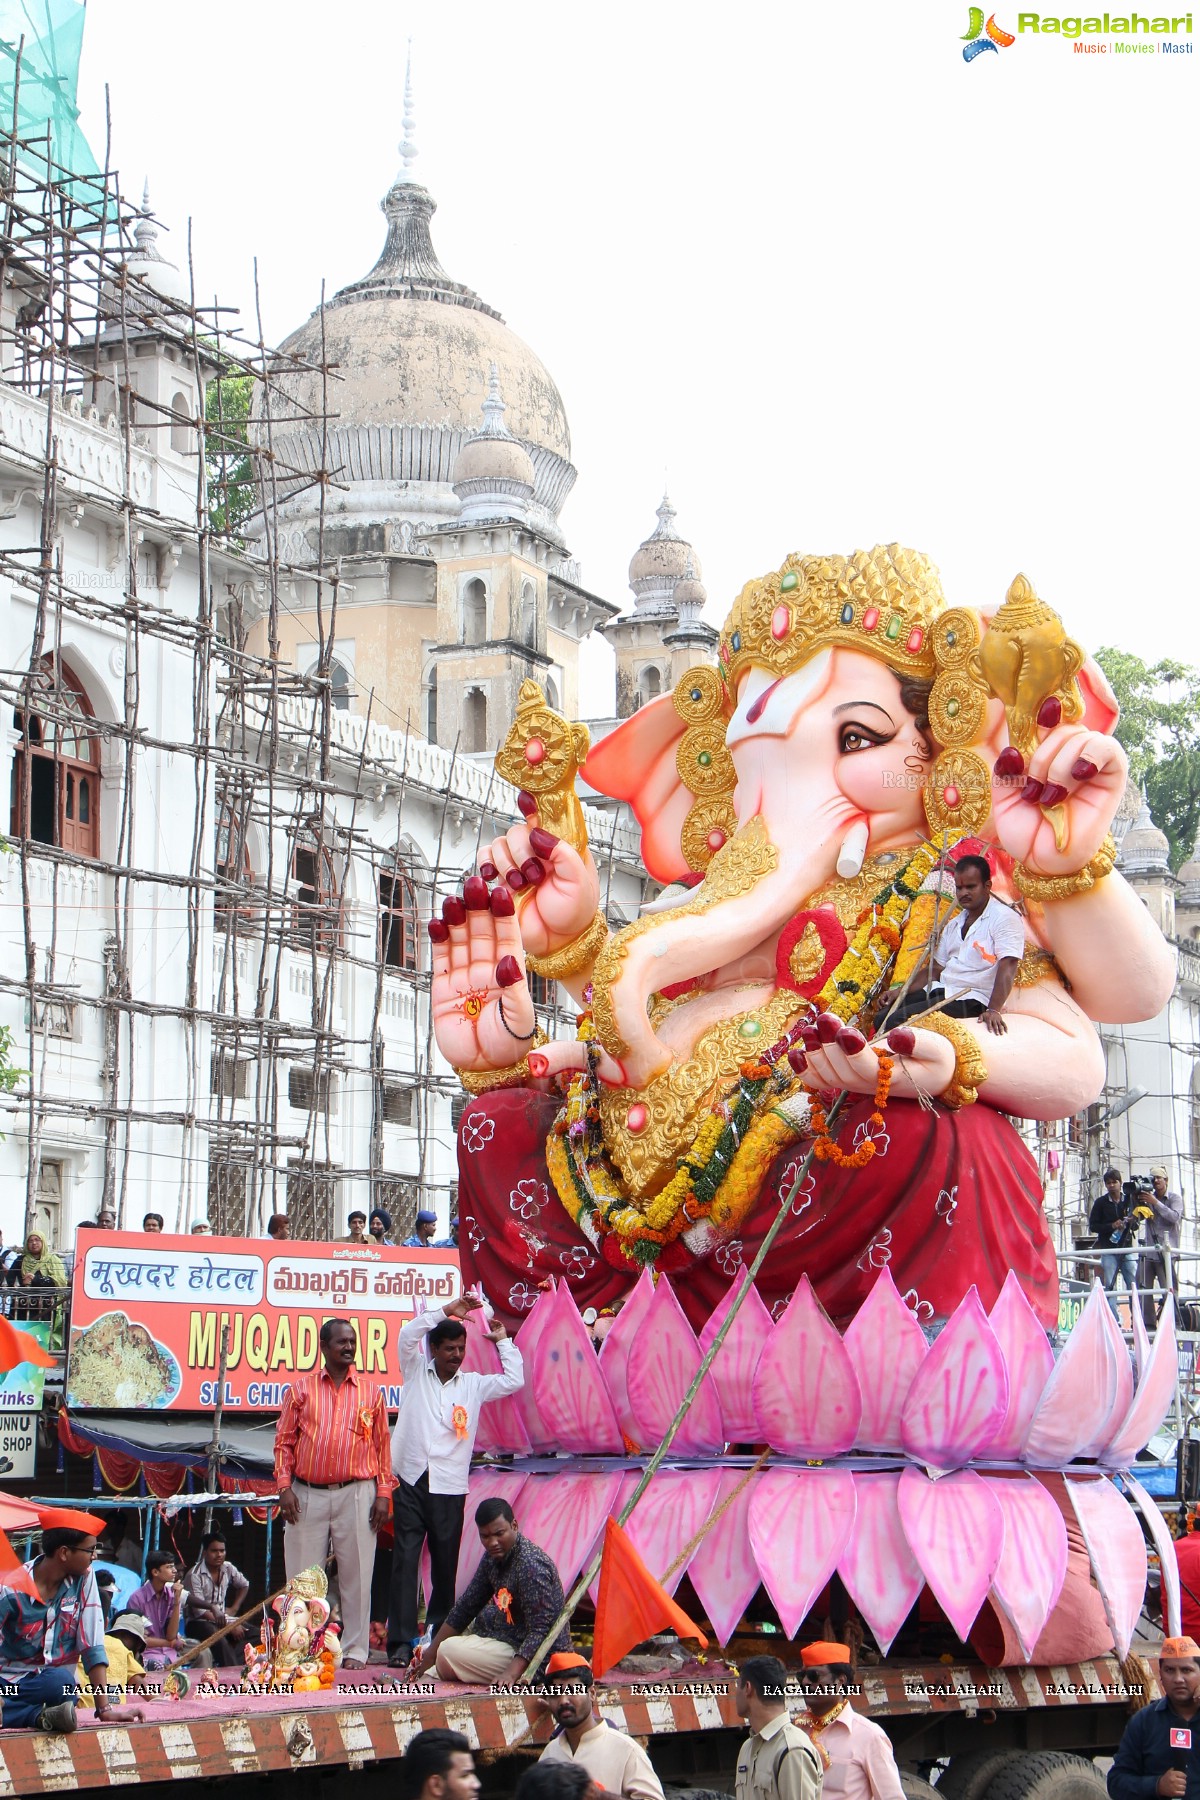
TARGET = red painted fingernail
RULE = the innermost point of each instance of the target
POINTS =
(527, 804)
(475, 893)
(1032, 791)
(810, 1037)
(533, 872)
(1050, 713)
(797, 1059)
(828, 1026)
(516, 880)
(1053, 794)
(508, 972)
(453, 910)
(538, 1066)
(542, 842)
(903, 1040)
(438, 932)
(489, 871)
(1010, 762)
(850, 1040)
(1082, 770)
(502, 903)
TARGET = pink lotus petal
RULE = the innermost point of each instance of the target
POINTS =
(661, 1366)
(1164, 1544)
(530, 1330)
(736, 1360)
(629, 1481)
(668, 1516)
(886, 1347)
(723, 1570)
(564, 1515)
(1123, 1397)
(1033, 1563)
(1117, 1552)
(614, 1351)
(1078, 1401)
(959, 1397)
(1030, 1364)
(1152, 1401)
(955, 1530)
(806, 1396)
(800, 1521)
(501, 1427)
(572, 1396)
(485, 1484)
(1141, 1342)
(882, 1576)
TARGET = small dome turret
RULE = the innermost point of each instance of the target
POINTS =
(1145, 850)
(493, 473)
(661, 562)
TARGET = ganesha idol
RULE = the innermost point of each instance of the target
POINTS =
(803, 805)
(758, 1047)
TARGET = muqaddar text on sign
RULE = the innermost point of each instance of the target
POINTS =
(147, 1316)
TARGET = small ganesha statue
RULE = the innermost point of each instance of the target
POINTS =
(303, 1651)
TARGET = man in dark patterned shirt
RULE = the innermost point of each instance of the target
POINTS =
(512, 1599)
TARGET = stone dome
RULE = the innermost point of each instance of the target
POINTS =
(663, 559)
(1145, 850)
(493, 459)
(409, 350)
(1189, 875)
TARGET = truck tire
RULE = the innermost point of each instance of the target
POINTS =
(969, 1776)
(1050, 1775)
(915, 1788)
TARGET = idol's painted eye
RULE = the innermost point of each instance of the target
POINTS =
(853, 736)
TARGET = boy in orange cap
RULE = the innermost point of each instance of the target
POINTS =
(860, 1761)
(613, 1760)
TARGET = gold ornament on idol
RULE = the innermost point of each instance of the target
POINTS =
(482, 1081)
(575, 957)
(705, 766)
(543, 754)
(1043, 888)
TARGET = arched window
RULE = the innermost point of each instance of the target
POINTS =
(552, 699)
(431, 718)
(181, 424)
(474, 610)
(340, 686)
(649, 685)
(527, 615)
(475, 727)
(56, 770)
(397, 919)
(316, 912)
(232, 867)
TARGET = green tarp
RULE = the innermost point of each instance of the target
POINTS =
(52, 31)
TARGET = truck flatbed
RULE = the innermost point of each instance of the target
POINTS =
(929, 1709)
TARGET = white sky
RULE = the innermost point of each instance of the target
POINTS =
(831, 283)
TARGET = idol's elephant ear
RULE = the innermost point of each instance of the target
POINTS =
(637, 763)
(1100, 709)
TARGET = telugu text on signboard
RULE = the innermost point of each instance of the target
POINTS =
(147, 1316)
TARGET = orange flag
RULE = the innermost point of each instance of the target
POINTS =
(631, 1606)
(13, 1573)
(17, 1347)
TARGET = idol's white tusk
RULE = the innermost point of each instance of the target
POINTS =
(854, 848)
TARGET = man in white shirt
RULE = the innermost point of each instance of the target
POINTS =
(979, 951)
(860, 1763)
(432, 1441)
(615, 1761)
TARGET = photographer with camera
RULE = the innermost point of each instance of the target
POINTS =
(1162, 1236)
(1116, 1229)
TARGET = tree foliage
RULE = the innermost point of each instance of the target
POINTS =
(232, 485)
(1160, 730)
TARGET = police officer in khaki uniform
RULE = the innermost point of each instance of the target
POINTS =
(778, 1761)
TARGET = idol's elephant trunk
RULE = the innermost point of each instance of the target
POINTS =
(761, 879)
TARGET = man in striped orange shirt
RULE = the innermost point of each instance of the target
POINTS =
(333, 1466)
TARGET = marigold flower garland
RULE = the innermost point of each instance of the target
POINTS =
(827, 1149)
(578, 1162)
